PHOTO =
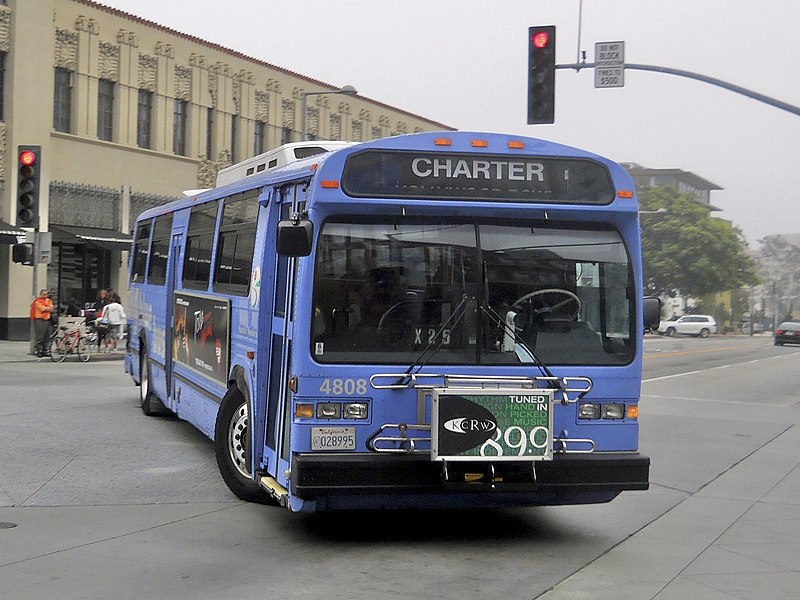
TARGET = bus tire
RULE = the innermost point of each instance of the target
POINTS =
(149, 402)
(232, 448)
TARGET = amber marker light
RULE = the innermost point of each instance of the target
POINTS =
(330, 184)
(516, 145)
(480, 144)
(304, 411)
(625, 194)
(442, 142)
(633, 412)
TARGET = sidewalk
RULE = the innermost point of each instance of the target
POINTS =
(11, 352)
(738, 538)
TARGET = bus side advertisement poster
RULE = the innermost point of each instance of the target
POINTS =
(474, 424)
(200, 334)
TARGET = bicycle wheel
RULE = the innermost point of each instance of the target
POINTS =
(58, 349)
(83, 349)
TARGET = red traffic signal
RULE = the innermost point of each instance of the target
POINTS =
(540, 39)
(27, 157)
(28, 170)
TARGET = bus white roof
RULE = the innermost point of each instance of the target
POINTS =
(278, 157)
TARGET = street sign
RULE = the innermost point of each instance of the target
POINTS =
(44, 245)
(609, 64)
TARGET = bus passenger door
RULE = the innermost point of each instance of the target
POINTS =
(172, 281)
(278, 413)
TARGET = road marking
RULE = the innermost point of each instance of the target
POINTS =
(690, 352)
(748, 362)
(716, 400)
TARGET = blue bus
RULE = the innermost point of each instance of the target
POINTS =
(429, 320)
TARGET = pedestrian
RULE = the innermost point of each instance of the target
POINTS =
(102, 300)
(73, 310)
(101, 324)
(115, 315)
(41, 313)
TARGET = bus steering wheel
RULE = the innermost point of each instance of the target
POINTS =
(548, 308)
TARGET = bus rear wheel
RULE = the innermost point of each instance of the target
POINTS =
(149, 402)
(232, 448)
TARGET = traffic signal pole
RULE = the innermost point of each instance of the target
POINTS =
(704, 78)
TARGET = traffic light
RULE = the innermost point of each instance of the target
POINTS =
(28, 170)
(541, 74)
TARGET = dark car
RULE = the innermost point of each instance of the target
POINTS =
(787, 332)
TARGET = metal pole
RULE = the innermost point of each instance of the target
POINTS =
(347, 90)
(704, 78)
(580, 20)
(32, 347)
(303, 116)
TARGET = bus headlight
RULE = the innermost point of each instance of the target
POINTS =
(605, 410)
(329, 410)
(612, 411)
(355, 410)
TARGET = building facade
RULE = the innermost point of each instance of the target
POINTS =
(128, 114)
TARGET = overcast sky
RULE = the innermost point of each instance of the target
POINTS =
(463, 63)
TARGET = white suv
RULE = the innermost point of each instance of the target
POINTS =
(696, 325)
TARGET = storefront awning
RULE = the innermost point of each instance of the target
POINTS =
(102, 238)
(9, 233)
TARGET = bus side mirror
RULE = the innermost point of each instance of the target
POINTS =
(652, 313)
(295, 238)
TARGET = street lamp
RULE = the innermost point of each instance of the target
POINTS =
(347, 90)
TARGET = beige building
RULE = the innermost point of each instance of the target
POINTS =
(128, 114)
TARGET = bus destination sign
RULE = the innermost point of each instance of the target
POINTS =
(470, 424)
(429, 175)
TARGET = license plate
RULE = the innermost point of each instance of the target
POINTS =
(470, 424)
(333, 438)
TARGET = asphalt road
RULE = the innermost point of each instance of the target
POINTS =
(98, 501)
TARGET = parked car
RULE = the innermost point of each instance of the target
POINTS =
(787, 332)
(696, 325)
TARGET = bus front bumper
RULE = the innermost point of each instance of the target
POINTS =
(566, 479)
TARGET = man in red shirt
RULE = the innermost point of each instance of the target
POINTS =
(41, 312)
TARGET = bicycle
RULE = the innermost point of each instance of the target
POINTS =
(69, 341)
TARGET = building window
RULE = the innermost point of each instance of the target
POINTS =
(62, 104)
(144, 118)
(234, 137)
(210, 134)
(259, 144)
(179, 120)
(286, 135)
(105, 109)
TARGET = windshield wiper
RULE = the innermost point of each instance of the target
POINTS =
(436, 340)
(511, 331)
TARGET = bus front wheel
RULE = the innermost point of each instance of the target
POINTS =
(232, 448)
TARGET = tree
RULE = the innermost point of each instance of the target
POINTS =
(687, 252)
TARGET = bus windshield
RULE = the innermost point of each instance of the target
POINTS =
(476, 293)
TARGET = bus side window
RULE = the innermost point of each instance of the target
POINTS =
(141, 250)
(236, 242)
(159, 252)
(199, 244)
